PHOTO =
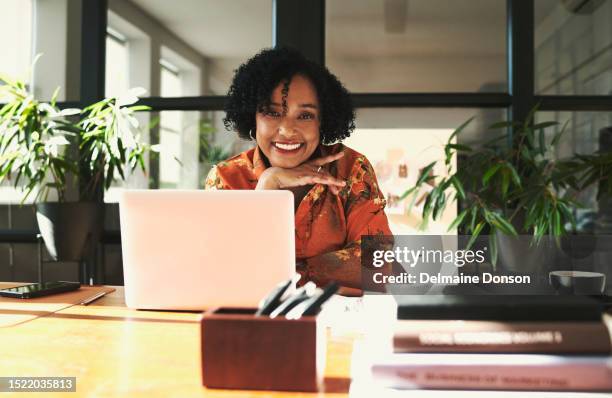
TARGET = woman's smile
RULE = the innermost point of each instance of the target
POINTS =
(288, 148)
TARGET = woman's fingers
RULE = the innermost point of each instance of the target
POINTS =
(309, 174)
(330, 180)
(327, 180)
(322, 176)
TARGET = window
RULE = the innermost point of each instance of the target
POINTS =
(41, 28)
(170, 130)
(117, 66)
(573, 44)
(199, 33)
(119, 57)
(401, 142)
(16, 57)
(586, 133)
(128, 56)
(49, 29)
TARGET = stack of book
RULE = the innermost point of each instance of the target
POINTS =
(552, 355)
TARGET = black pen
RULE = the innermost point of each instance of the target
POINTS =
(302, 294)
(273, 299)
(312, 306)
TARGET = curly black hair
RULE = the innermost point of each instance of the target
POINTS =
(256, 79)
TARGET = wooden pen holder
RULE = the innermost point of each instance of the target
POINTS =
(244, 351)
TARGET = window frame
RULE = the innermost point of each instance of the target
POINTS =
(302, 25)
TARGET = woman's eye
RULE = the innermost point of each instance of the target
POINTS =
(307, 116)
(272, 113)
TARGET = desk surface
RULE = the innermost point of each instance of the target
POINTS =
(116, 351)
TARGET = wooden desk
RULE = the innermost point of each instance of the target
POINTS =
(116, 351)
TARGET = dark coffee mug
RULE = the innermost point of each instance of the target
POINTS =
(577, 282)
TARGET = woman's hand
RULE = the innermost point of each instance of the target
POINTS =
(308, 173)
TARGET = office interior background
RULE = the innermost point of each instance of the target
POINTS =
(416, 69)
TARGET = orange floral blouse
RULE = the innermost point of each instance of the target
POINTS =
(328, 227)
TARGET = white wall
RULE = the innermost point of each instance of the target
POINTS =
(57, 36)
(149, 41)
(444, 73)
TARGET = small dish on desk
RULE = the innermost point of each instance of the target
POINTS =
(577, 282)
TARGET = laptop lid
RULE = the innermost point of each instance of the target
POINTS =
(192, 250)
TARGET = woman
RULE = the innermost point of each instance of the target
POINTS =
(295, 110)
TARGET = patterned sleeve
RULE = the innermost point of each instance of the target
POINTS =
(213, 181)
(364, 206)
(364, 210)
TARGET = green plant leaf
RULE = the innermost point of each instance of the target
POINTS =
(503, 125)
(475, 234)
(139, 108)
(458, 186)
(505, 182)
(425, 174)
(516, 179)
(504, 225)
(457, 221)
(460, 129)
(429, 199)
(407, 193)
(460, 147)
(440, 205)
(68, 127)
(542, 142)
(529, 119)
(544, 125)
(558, 135)
(490, 173)
(567, 214)
(474, 212)
(558, 226)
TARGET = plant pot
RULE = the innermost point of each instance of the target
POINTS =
(519, 254)
(68, 228)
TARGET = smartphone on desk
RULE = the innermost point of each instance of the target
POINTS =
(39, 289)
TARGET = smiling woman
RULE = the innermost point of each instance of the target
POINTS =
(297, 112)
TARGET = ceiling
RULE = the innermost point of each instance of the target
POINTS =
(432, 27)
(238, 28)
(216, 28)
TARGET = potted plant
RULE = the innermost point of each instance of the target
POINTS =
(36, 139)
(507, 186)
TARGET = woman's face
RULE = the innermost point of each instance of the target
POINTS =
(289, 135)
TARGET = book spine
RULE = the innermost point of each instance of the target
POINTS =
(554, 378)
(545, 338)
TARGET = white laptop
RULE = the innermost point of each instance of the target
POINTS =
(193, 250)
